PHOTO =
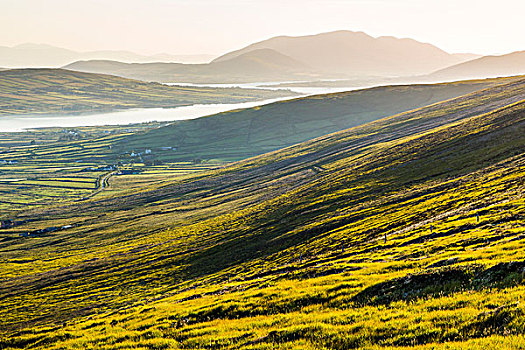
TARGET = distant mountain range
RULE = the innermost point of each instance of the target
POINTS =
(485, 67)
(358, 54)
(340, 54)
(336, 55)
(40, 55)
(257, 65)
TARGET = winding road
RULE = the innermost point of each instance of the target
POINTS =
(102, 183)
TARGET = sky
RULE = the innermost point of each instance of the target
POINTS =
(218, 26)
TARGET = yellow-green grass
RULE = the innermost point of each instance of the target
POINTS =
(287, 250)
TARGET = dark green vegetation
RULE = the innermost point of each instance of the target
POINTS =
(32, 91)
(365, 238)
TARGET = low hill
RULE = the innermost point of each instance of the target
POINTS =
(485, 67)
(243, 133)
(257, 65)
(357, 54)
(261, 62)
(41, 55)
(43, 91)
(403, 232)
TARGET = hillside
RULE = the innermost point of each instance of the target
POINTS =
(357, 54)
(405, 232)
(239, 134)
(256, 65)
(485, 67)
(62, 155)
(41, 55)
(45, 91)
(244, 133)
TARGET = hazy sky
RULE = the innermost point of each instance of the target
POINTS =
(218, 26)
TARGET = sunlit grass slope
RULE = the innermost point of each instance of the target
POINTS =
(404, 232)
(41, 91)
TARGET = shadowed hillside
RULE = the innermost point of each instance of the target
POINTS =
(405, 232)
(66, 163)
(243, 133)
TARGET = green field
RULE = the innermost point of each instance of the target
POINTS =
(404, 232)
(32, 138)
(54, 170)
(52, 91)
(41, 183)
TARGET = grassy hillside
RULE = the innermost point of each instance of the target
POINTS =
(195, 144)
(243, 133)
(62, 91)
(397, 233)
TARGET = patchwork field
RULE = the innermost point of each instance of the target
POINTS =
(51, 165)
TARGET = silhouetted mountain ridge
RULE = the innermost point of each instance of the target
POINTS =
(334, 55)
(42, 55)
(256, 65)
(357, 53)
(485, 67)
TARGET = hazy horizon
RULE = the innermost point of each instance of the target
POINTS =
(182, 27)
